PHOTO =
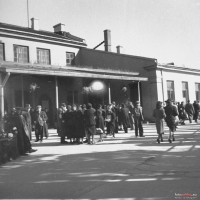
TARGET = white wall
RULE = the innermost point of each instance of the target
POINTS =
(58, 53)
(178, 78)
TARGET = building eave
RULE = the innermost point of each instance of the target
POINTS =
(49, 70)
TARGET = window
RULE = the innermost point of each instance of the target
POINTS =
(170, 90)
(197, 91)
(2, 55)
(70, 58)
(20, 54)
(43, 56)
(185, 92)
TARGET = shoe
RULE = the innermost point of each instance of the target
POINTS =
(162, 140)
(36, 140)
(158, 141)
(64, 142)
(142, 136)
(169, 141)
(173, 138)
(114, 135)
(32, 150)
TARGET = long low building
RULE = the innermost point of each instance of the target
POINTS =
(48, 68)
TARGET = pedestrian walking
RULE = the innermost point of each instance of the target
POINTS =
(138, 118)
(110, 121)
(196, 111)
(189, 110)
(171, 113)
(159, 115)
(131, 118)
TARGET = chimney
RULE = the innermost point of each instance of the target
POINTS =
(119, 49)
(59, 28)
(107, 40)
(35, 24)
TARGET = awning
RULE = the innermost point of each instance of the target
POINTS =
(71, 71)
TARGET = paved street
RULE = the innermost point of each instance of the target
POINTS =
(124, 167)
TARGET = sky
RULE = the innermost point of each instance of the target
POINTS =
(168, 30)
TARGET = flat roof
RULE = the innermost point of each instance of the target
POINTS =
(71, 71)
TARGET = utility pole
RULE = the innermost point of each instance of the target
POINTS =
(28, 13)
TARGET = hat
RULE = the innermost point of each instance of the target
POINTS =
(28, 106)
(63, 105)
(39, 106)
(137, 102)
(168, 100)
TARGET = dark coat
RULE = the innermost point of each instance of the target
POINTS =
(110, 124)
(89, 121)
(23, 142)
(138, 114)
(125, 117)
(79, 131)
(189, 109)
(68, 118)
(171, 113)
(40, 119)
(196, 110)
(100, 119)
(27, 117)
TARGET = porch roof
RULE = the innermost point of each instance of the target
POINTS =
(68, 71)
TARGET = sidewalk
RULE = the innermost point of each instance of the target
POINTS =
(124, 167)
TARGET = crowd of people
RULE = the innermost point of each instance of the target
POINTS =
(76, 123)
(174, 114)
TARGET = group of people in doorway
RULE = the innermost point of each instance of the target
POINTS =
(174, 114)
(76, 123)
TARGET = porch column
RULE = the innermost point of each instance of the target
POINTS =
(139, 91)
(56, 86)
(22, 87)
(109, 94)
(2, 85)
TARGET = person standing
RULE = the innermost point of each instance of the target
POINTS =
(27, 117)
(110, 121)
(159, 115)
(131, 119)
(171, 113)
(196, 111)
(100, 120)
(138, 118)
(115, 110)
(90, 124)
(40, 119)
(63, 119)
(125, 117)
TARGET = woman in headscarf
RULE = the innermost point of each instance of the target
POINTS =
(159, 115)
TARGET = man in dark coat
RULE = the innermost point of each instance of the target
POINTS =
(27, 117)
(125, 117)
(189, 110)
(89, 120)
(40, 121)
(19, 124)
(115, 110)
(63, 124)
(138, 118)
(196, 111)
(131, 119)
(171, 113)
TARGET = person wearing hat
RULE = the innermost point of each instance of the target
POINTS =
(125, 117)
(39, 121)
(90, 124)
(27, 117)
(138, 119)
(171, 113)
(189, 110)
